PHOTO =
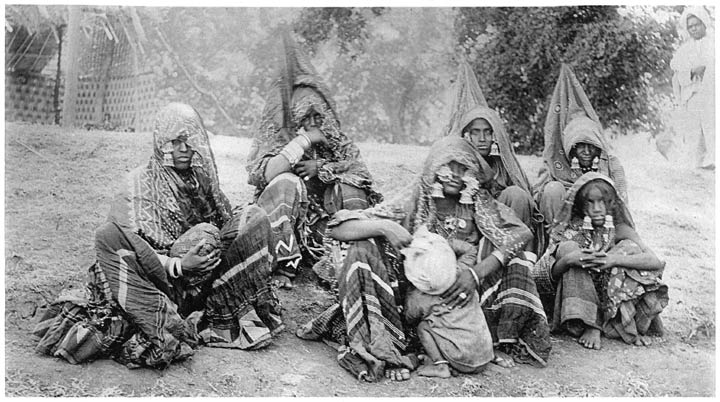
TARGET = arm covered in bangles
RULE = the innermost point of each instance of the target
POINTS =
(293, 152)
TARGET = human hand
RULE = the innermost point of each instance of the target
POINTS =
(306, 169)
(194, 263)
(697, 72)
(602, 261)
(397, 235)
(315, 136)
(460, 293)
(582, 258)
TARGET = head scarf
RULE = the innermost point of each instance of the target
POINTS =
(565, 216)
(572, 119)
(309, 95)
(582, 129)
(701, 14)
(149, 203)
(494, 220)
(467, 96)
(507, 155)
(430, 263)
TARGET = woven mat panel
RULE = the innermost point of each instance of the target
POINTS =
(30, 99)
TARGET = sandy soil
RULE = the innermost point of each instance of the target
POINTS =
(58, 185)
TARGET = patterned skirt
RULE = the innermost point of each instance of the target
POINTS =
(135, 313)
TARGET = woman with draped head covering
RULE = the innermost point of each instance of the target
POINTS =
(475, 121)
(450, 201)
(303, 166)
(175, 265)
(694, 84)
(574, 145)
(599, 276)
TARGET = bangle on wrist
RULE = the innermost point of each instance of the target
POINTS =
(178, 267)
(174, 267)
(293, 152)
(475, 276)
(307, 139)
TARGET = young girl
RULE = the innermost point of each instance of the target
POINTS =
(456, 338)
(605, 280)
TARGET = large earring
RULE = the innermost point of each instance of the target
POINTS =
(494, 149)
(437, 190)
(168, 160)
(471, 187)
(574, 164)
(587, 223)
(609, 224)
(595, 163)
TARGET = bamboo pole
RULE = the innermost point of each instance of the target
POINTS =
(73, 66)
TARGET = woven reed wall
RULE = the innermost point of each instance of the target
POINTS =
(130, 101)
(30, 98)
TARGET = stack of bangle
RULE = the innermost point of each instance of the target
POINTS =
(295, 149)
(174, 267)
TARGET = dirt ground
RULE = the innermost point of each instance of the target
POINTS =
(58, 185)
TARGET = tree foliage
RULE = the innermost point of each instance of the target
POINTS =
(620, 58)
(387, 82)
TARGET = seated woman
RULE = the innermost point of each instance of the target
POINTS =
(602, 277)
(574, 144)
(306, 173)
(372, 285)
(173, 260)
(472, 119)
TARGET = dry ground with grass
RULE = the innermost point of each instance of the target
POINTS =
(58, 185)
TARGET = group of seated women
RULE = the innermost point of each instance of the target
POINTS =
(443, 277)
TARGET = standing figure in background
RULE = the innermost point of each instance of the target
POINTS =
(694, 86)
(574, 145)
(303, 166)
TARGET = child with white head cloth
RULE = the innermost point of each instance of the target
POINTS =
(457, 338)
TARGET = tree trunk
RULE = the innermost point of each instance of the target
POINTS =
(73, 66)
(58, 77)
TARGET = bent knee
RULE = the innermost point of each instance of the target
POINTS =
(554, 190)
(106, 233)
(566, 248)
(285, 181)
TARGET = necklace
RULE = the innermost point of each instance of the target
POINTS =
(449, 223)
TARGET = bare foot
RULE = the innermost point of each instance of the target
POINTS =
(590, 338)
(643, 340)
(441, 370)
(397, 374)
(282, 282)
(502, 359)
